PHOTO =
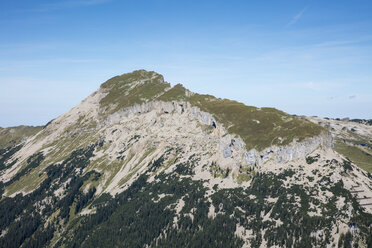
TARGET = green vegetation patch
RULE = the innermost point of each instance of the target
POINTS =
(28, 177)
(243, 178)
(312, 159)
(176, 93)
(12, 136)
(258, 127)
(122, 94)
(356, 155)
(6, 154)
(217, 171)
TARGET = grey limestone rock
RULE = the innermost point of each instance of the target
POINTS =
(227, 152)
(228, 143)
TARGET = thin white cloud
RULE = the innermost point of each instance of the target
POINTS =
(331, 98)
(352, 97)
(337, 43)
(296, 17)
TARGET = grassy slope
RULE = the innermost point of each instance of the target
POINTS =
(355, 154)
(14, 135)
(120, 94)
(258, 127)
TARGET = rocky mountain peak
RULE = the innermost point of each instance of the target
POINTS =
(132, 88)
(129, 78)
(258, 127)
(141, 156)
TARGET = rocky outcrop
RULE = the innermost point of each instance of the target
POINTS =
(229, 144)
(163, 108)
(293, 151)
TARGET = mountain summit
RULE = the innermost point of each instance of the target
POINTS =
(139, 163)
(258, 127)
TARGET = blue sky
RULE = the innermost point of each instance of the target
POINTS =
(303, 57)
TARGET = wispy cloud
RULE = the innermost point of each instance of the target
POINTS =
(337, 43)
(66, 5)
(296, 17)
(331, 98)
(352, 97)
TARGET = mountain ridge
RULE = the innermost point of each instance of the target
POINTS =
(224, 110)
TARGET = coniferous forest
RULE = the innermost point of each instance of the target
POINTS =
(146, 214)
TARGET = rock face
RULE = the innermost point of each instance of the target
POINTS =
(353, 139)
(295, 150)
(228, 143)
(194, 113)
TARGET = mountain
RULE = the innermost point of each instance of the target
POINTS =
(12, 136)
(139, 163)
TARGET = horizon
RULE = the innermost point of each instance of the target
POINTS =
(304, 58)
